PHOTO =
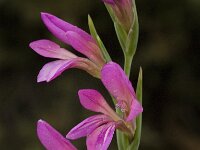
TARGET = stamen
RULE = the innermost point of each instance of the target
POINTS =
(122, 105)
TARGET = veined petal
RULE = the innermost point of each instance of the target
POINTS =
(94, 101)
(117, 83)
(87, 48)
(50, 49)
(100, 138)
(58, 27)
(52, 139)
(53, 69)
(135, 110)
(87, 126)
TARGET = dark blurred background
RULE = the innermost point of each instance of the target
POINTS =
(168, 51)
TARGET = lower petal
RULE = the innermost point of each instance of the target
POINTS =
(53, 69)
(100, 138)
(135, 110)
(52, 139)
(87, 126)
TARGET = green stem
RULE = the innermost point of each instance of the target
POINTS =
(128, 55)
(128, 42)
(127, 64)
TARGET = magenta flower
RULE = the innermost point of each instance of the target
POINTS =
(78, 39)
(99, 129)
(52, 139)
(118, 84)
(123, 11)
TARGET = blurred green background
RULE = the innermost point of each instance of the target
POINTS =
(168, 51)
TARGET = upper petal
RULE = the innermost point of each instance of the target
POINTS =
(52, 139)
(87, 126)
(58, 27)
(94, 101)
(87, 48)
(50, 49)
(117, 83)
(100, 138)
(53, 69)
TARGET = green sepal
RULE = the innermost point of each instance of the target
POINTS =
(122, 139)
(111, 13)
(121, 35)
(132, 39)
(94, 34)
(136, 141)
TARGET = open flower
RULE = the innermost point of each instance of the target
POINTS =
(74, 36)
(118, 84)
(52, 139)
(99, 129)
(123, 11)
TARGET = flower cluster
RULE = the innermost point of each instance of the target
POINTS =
(98, 129)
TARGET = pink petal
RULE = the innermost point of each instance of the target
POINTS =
(53, 69)
(87, 126)
(100, 138)
(117, 83)
(136, 109)
(94, 101)
(50, 49)
(59, 27)
(52, 139)
(87, 48)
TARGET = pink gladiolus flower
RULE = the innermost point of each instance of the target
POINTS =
(118, 84)
(99, 129)
(52, 139)
(123, 11)
(78, 39)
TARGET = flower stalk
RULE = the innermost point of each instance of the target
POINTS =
(128, 44)
(98, 129)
